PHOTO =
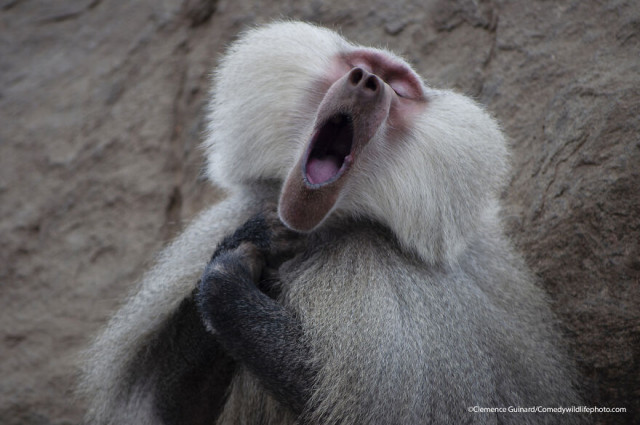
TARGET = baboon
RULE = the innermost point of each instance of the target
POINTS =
(360, 274)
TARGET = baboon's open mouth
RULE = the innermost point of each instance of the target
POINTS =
(329, 153)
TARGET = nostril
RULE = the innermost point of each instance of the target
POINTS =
(371, 83)
(355, 76)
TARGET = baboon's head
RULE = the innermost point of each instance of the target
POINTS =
(354, 131)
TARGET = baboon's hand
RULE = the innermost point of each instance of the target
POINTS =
(262, 242)
(237, 301)
(258, 248)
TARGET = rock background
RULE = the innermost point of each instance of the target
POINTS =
(101, 112)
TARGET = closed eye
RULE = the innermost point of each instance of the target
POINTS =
(401, 89)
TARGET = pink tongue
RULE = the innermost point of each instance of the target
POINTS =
(321, 170)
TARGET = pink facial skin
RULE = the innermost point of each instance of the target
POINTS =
(364, 89)
(398, 75)
(410, 98)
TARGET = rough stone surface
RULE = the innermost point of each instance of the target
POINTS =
(101, 112)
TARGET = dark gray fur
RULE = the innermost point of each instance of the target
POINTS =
(398, 342)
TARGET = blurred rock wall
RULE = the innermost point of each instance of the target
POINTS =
(101, 113)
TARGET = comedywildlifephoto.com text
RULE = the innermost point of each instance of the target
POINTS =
(545, 409)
